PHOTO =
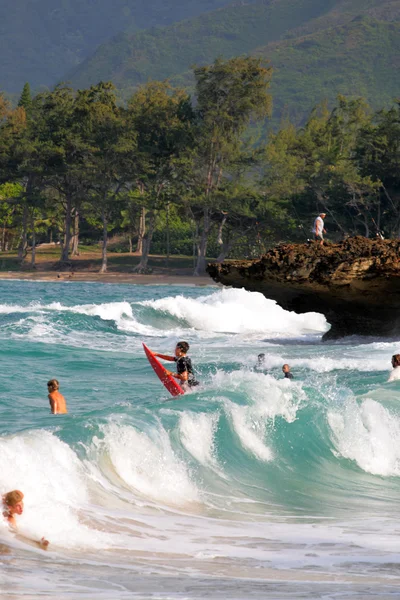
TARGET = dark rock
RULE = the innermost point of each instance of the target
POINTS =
(355, 284)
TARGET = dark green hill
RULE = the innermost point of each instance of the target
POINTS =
(131, 59)
(361, 58)
(318, 48)
(43, 39)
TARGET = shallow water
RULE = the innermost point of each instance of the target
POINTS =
(249, 486)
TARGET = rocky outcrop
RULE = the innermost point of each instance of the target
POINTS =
(355, 284)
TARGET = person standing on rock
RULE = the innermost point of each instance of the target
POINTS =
(318, 229)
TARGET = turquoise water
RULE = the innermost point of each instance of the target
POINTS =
(249, 486)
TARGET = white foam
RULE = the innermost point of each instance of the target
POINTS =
(267, 400)
(325, 364)
(239, 311)
(250, 433)
(147, 464)
(197, 435)
(367, 434)
(51, 476)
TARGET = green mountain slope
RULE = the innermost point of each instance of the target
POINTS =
(131, 59)
(41, 40)
(361, 58)
(317, 48)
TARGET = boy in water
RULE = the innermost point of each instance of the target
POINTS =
(14, 505)
(183, 365)
(58, 405)
(286, 371)
(260, 366)
(395, 374)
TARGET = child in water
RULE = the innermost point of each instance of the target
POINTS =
(183, 365)
(395, 374)
(286, 372)
(14, 505)
(58, 405)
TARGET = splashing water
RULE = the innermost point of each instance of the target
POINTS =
(246, 478)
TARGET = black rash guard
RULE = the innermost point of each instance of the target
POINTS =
(183, 363)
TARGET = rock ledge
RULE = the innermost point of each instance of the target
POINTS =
(355, 284)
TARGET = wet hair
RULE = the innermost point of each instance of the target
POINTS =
(184, 346)
(286, 365)
(53, 385)
(12, 498)
(396, 360)
(261, 357)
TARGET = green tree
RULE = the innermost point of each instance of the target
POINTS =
(229, 95)
(25, 100)
(111, 152)
(60, 130)
(162, 119)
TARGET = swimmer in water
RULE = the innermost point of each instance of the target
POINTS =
(184, 367)
(260, 366)
(13, 503)
(286, 372)
(395, 374)
(58, 406)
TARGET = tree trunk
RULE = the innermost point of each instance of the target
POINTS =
(105, 240)
(130, 243)
(142, 266)
(220, 240)
(33, 254)
(67, 231)
(202, 245)
(142, 231)
(3, 237)
(24, 234)
(226, 248)
(75, 237)
(168, 237)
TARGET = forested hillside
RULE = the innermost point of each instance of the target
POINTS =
(317, 48)
(40, 41)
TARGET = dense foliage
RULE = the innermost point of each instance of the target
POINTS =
(164, 173)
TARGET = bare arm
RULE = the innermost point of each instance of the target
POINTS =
(181, 376)
(53, 405)
(164, 357)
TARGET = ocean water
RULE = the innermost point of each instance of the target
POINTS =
(250, 486)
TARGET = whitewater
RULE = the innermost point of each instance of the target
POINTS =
(249, 486)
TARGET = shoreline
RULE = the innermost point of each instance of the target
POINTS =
(129, 278)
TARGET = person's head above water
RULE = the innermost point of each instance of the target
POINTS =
(395, 360)
(181, 348)
(14, 502)
(53, 385)
(261, 358)
(286, 368)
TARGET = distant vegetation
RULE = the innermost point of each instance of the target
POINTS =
(318, 48)
(41, 41)
(172, 174)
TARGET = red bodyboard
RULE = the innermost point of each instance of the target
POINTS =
(167, 380)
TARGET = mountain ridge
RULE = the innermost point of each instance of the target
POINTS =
(308, 60)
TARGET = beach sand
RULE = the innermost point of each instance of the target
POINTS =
(132, 278)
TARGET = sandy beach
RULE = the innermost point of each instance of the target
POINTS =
(86, 267)
(136, 279)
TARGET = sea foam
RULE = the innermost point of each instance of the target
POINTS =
(239, 311)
